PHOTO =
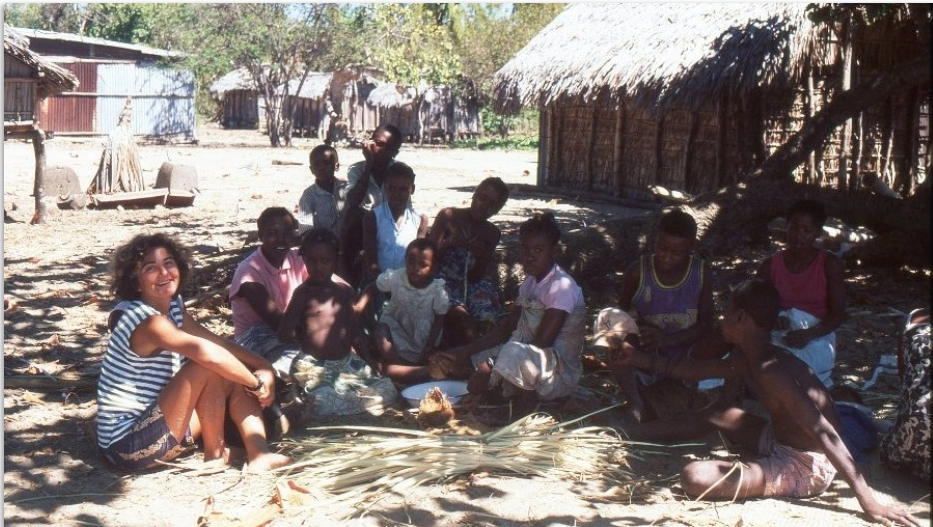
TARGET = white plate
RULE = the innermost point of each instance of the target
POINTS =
(453, 390)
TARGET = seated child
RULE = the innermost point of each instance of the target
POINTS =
(536, 348)
(907, 444)
(320, 318)
(322, 204)
(466, 242)
(811, 282)
(392, 225)
(410, 325)
(798, 451)
(669, 294)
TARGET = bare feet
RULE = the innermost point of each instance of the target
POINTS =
(268, 461)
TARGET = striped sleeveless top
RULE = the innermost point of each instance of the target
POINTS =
(128, 383)
(671, 307)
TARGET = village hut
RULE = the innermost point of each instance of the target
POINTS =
(350, 88)
(424, 113)
(397, 104)
(692, 96)
(238, 98)
(312, 106)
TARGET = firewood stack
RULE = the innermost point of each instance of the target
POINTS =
(119, 169)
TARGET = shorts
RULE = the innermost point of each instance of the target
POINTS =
(148, 441)
(792, 473)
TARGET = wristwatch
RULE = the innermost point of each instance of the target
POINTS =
(259, 385)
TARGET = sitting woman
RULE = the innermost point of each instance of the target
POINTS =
(262, 287)
(165, 379)
(534, 352)
(466, 242)
(811, 285)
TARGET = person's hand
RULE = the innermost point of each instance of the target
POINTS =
(479, 381)
(797, 338)
(622, 353)
(650, 337)
(369, 150)
(266, 394)
(428, 351)
(890, 515)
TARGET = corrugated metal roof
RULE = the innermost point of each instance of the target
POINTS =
(70, 37)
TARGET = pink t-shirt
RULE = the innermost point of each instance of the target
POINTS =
(280, 283)
(805, 290)
(557, 290)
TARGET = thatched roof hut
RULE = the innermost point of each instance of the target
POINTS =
(423, 112)
(239, 99)
(686, 96)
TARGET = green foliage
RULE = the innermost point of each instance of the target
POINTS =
(497, 143)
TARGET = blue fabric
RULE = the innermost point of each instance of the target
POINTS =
(859, 432)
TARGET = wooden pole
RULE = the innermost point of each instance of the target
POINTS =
(590, 170)
(619, 149)
(810, 109)
(690, 184)
(658, 152)
(842, 177)
(38, 147)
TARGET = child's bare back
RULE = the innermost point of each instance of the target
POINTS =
(327, 327)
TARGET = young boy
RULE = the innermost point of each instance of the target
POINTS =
(322, 204)
(669, 294)
(799, 448)
(391, 226)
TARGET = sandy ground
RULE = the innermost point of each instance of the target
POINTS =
(54, 324)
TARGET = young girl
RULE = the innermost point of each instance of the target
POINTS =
(536, 349)
(165, 379)
(410, 325)
(320, 318)
(811, 285)
(466, 242)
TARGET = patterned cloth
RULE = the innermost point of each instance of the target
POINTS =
(130, 384)
(148, 440)
(907, 443)
(481, 298)
(262, 340)
(792, 473)
(279, 283)
(320, 208)
(551, 372)
(393, 237)
(342, 387)
(411, 311)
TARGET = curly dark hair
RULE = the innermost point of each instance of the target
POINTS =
(759, 299)
(274, 212)
(499, 187)
(316, 236)
(124, 283)
(541, 223)
(678, 224)
(808, 207)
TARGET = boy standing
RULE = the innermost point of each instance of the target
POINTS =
(322, 204)
(799, 449)
(669, 294)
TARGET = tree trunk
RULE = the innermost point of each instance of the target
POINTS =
(38, 146)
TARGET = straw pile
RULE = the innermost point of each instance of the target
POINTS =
(119, 169)
(351, 469)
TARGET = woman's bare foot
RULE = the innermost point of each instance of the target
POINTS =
(268, 461)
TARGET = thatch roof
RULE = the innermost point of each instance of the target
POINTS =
(54, 79)
(658, 54)
(239, 79)
(315, 86)
(391, 95)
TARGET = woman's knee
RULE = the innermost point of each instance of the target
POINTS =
(699, 476)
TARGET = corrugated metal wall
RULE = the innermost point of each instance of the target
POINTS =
(163, 100)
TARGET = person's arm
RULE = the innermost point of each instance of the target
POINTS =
(214, 353)
(366, 296)
(429, 345)
(836, 305)
(807, 415)
(497, 335)
(423, 227)
(484, 252)
(258, 298)
(370, 256)
(438, 231)
(358, 186)
(687, 368)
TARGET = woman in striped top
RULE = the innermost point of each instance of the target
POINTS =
(166, 380)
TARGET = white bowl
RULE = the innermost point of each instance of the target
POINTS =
(453, 391)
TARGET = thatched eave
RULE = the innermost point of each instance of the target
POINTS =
(389, 95)
(658, 54)
(52, 78)
(239, 79)
(315, 86)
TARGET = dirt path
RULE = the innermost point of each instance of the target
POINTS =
(55, 283)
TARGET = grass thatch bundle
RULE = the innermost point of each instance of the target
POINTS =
(358, 465)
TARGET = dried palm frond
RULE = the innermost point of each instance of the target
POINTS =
(356, 466)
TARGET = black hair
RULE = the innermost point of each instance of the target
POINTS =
(678, 223)
(811, 208)
(401, 170)
(274, 212)
(422, 244)
(498, 186)
(759, 299)
(396, 134)
(319, 235)
(320, 150)
(541, 223)
(124, 281)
